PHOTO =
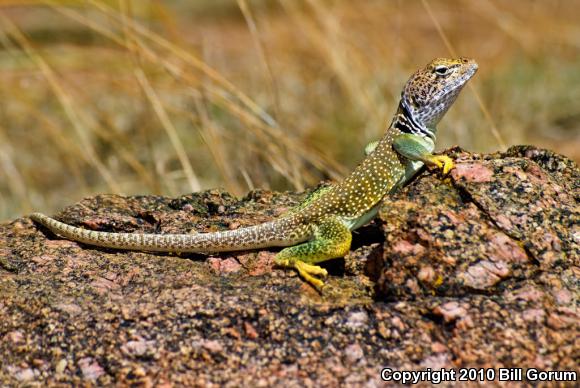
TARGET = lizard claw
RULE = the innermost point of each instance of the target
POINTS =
(444, 162)
(308, 273)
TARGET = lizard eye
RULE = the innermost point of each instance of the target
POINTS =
(441, 70)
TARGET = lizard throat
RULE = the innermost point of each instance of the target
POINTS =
(405, 123)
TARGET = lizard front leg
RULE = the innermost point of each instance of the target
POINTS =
(331, 240)
(415, 147)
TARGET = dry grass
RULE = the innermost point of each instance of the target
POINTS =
(169, 97)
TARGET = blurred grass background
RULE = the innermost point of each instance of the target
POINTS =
(168, 97)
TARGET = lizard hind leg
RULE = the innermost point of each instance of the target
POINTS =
(331, 240)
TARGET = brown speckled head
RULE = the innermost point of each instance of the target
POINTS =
(433, 89)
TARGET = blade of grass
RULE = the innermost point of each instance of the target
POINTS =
(494, 130)
(64, 100)
(169, 129)
(259, 44)
(15, 180)
(189, 58)
(320, 161)
(69, 152)
(271, 125)
(210, 134)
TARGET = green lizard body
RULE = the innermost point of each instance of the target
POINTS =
(320, 228)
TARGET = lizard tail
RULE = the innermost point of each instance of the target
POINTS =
(264, 235)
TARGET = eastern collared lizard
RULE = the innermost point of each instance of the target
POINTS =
(320, 228)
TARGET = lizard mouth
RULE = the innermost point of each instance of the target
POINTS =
(469, 71)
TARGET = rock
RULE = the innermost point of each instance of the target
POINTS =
(451, 311)
(25, 375)
(499, 217)
(90, 369)
(353, 353)
(357, 320)
(140, 347)
(479, 269)
(60, 366)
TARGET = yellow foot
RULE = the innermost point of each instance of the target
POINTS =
(308, 271)
(443, 162)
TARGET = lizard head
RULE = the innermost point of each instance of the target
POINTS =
(430, 92)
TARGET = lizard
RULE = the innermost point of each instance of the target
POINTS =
(320, 228)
